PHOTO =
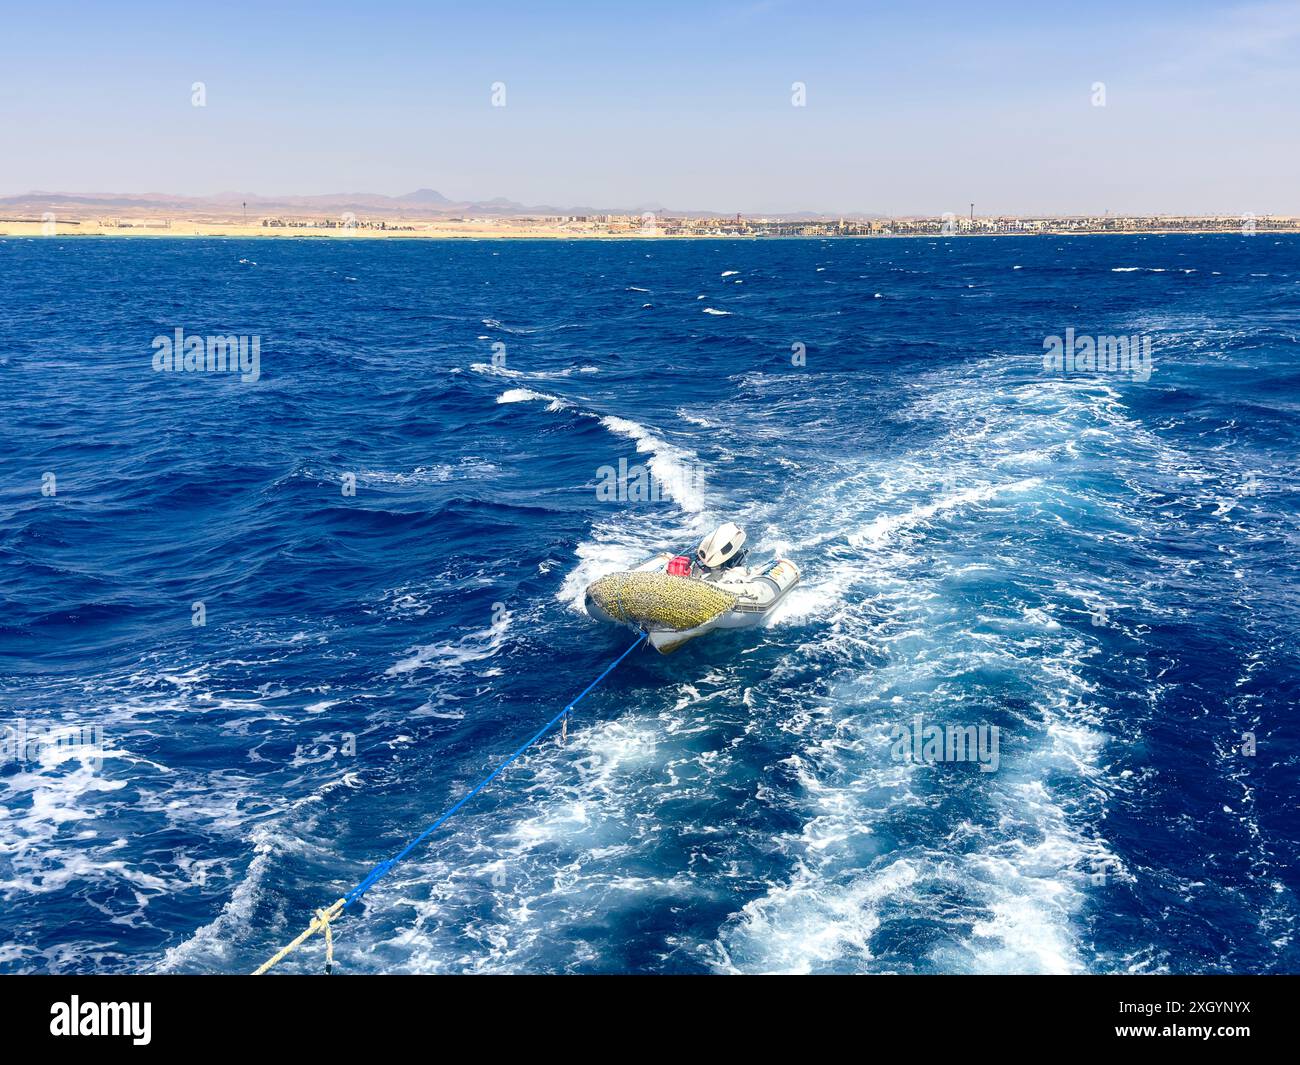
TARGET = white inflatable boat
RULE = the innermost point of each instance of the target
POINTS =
(672, 598)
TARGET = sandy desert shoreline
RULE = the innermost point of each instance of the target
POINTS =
(187, 228)
(513, 231)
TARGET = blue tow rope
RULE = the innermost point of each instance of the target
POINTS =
(380, 870)
(321, 922)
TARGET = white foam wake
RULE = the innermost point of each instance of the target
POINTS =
(679, 471)
(491, 369)
(526, 395)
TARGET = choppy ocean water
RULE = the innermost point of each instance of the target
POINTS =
(1101, 565)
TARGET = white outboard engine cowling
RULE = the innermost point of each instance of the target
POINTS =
(720, 547)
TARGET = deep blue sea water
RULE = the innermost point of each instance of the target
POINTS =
(1103, 567)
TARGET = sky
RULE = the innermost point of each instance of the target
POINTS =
(910, 108)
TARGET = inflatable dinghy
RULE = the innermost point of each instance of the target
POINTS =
(672, 599)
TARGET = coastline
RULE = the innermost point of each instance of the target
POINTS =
(190, 230)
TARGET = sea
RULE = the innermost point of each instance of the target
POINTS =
(262, 622)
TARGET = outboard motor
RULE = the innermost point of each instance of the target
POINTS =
(722, 548)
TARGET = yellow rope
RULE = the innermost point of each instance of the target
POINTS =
(324, 917)
(320, 921)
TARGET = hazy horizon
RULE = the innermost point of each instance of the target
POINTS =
(912, 113)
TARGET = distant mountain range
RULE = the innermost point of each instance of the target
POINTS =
(422, 203)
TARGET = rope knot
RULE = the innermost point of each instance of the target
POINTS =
(323, 917)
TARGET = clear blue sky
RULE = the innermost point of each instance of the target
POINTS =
(915, 107)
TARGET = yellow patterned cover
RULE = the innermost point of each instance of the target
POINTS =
(659, 600)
